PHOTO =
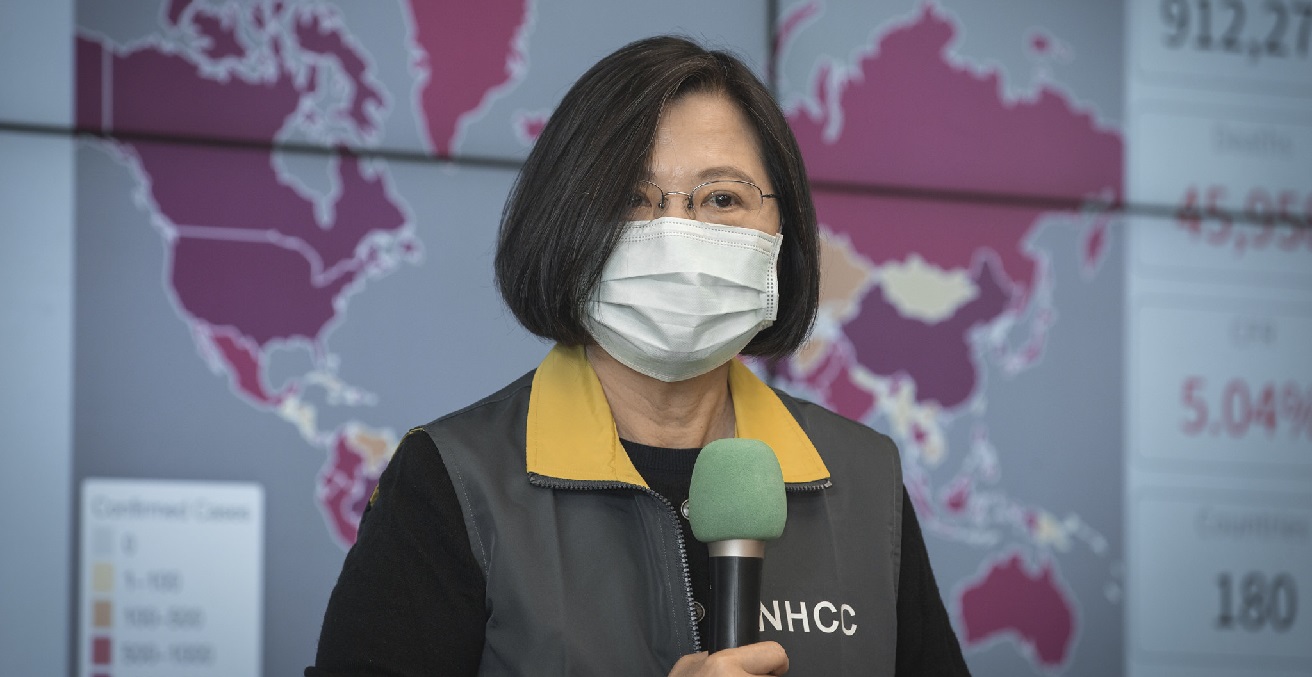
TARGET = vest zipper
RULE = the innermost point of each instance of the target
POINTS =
(586, 485)
(801, 487)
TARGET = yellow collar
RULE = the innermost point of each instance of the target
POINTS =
(571, 433)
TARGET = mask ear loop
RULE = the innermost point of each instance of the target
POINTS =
(772, 294)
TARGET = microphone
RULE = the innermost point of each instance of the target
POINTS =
(735, 504)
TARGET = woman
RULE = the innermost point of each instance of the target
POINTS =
(661, 225)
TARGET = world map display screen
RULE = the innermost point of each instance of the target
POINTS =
(1067, 267)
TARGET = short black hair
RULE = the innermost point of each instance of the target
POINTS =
(562, 219)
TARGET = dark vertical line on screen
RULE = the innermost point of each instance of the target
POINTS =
(772, 47)
(106, 92)
(772, 82)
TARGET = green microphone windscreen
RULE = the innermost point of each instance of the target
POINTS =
(737, 492)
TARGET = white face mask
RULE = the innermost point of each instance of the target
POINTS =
(678, 298)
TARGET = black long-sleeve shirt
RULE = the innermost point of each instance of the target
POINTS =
(410, 598)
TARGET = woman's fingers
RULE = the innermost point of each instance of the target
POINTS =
(762, 658)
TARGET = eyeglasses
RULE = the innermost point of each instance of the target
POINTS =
(726, 202)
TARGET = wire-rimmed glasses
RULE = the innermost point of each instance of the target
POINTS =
(728, 202)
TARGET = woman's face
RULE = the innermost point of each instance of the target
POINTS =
(704, 137)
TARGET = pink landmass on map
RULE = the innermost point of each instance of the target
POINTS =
(856, 401)
(958, 496)
(173, 10)
(936, 356)
(1040, 44)
(529, 126)
(249, 252)
(1032, 607)
(264, 291)
(252, 260)
(465, 53)
(832, 377)
(245, 365)
(792, 19)
(1094, 245)
(316, 35)
(345, 486)
(148, 91)
(221, 35)
(911, 120)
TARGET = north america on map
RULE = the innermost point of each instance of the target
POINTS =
(255, 263)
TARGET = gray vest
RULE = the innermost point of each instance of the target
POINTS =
(590, 578)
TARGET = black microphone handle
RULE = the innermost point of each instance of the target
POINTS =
(735, 602)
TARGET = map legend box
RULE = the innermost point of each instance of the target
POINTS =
(173, 575)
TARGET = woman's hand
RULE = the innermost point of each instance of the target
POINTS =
(762, 658)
